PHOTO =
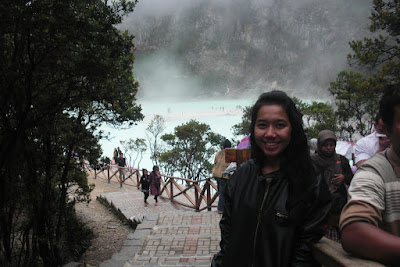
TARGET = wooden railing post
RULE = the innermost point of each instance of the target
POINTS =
(120, 176)
(108, 173)
(138, 179)
(171, 197)
(208, 190)
(196, 196)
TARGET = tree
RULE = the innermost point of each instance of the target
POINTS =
(319, 116)
(139, 147)
(155, 128)
(300, 104)
(127, 148)
(380, 54)
(356, 100)
(377, 57)
(66, 70)
(190, 149)
(243, 128)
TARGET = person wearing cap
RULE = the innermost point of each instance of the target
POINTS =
(219, 167)
(335, 171)
(371, 144)
(370, 221)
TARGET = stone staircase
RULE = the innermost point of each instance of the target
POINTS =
(182, 238)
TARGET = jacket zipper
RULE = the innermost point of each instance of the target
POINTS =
(258, 222)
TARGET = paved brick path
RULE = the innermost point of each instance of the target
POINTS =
(167, 235)
(173, 235)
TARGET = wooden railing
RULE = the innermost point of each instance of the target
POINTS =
(198, 195)
(193, 194)
(113, 171)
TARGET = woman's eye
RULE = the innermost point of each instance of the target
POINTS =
(281, 125)
(261, 125)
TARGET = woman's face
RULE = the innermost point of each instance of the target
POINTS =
(328, 147)
(272, 130)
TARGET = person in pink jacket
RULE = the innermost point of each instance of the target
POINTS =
(155, 183)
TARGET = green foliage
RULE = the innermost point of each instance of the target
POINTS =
(243, 128)
(319, 116)
(382, 52)
(190, 148)
(300, 105)
(65, 70)
(356, 98)
(77, 243)
(216, 140)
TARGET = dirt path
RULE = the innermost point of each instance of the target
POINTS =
(110, 232)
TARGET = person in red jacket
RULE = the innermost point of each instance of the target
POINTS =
(155, 183)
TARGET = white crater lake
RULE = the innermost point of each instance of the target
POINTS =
(220, 115)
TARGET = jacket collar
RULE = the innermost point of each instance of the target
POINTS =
(273, 175)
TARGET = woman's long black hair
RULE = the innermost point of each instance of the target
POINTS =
(296, 157)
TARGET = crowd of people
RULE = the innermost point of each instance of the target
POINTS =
(150, 183)
(276, 205)
(284, 199)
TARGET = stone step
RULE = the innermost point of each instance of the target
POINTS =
(189, 218)
(198, 230)
(183, 238)
(187, 260)
(179, 245)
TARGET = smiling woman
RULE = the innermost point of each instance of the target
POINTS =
(272, 134)
(274, 203)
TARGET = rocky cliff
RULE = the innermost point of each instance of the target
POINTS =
(227, 48)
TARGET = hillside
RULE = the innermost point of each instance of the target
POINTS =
(227, 48)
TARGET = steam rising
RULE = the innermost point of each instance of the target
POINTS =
(238, 48)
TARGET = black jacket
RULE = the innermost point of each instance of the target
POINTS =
(282, 237)
(339, 195)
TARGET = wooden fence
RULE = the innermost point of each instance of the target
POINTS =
(198, 195)
(113, 171)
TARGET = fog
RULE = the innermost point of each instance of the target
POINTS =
(234, 48)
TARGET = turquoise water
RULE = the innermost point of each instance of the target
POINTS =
(220, 115)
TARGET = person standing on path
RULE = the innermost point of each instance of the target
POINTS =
(219, 167)
(145, 182)
(121, 165)
(155, 183)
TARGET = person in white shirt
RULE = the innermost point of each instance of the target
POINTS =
(371, 144)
